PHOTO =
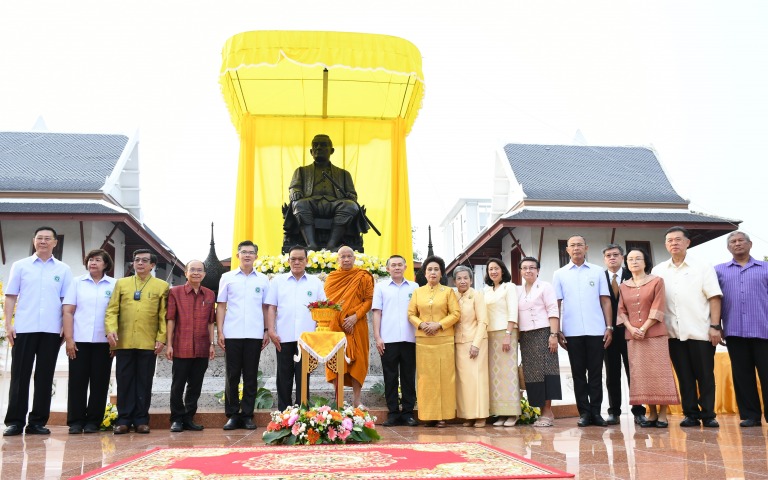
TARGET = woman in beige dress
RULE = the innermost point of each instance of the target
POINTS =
(471, 339)
(501, 301)
(433, 310)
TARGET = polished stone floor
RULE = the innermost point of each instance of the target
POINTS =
(618, 452)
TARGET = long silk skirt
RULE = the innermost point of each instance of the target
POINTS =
(472, 387)
(435, 378)
(502, 369)
(651, 372)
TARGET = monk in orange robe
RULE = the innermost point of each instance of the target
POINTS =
(353, 288)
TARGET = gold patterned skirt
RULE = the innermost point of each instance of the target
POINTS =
(502, 370)
(472, 381)
(435, 378)
(650, 369)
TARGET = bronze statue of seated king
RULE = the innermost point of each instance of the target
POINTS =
(323, 210)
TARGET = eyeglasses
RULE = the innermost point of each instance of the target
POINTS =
(142, 260)
(247, 252)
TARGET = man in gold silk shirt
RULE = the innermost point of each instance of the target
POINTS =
(135, 326)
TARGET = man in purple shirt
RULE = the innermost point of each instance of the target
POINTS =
(744, 282)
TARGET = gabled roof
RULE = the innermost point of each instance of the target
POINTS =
(616, 216)
(590, 173)
(57, 162)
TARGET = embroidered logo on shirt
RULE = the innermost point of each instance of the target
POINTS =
(108, 293)
(309, 293)
(591, 283)
(56, 278)
(410, 295)
(258, 289)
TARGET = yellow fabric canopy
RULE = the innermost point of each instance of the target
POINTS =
(284, 87)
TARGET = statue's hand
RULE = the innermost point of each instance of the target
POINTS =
(295, 195)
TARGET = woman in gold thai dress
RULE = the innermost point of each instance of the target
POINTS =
(471, 339)
(501, 301)
(434, 310)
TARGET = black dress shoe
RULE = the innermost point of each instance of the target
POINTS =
(195, 427)
(177, 427)
(90, 428)
(612, 419)
(660, 424)
(12, 430)
(248, 424)
(142, 428)
(390, 422)
(648, 423)
(74, 429)
(750, 422)
(584, 420)
(33, 429)
(640, 419)
(232, 424)
(120, 429)
(599, 421)
(689, 422)
(411, 422)
(710, 423)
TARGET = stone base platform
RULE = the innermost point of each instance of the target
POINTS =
(159, 419)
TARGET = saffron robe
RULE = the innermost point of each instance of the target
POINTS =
(354, 290)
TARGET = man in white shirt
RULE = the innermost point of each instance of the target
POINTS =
(287, 318)
(36, 287)
(692, 318)
(240, 315)
(396, 341)
(585, 315)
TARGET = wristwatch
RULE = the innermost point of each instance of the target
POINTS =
(717, 327)
(609, 327)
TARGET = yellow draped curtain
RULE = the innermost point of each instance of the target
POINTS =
(373, 151)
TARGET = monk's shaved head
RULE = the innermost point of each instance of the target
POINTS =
(346, 258)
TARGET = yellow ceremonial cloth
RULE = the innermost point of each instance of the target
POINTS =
(725, 395)
(354, 290)
(322, 345)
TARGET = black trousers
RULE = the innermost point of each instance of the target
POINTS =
(694, 362)
(134, 371)
(399, 362)
(288, 373)
(748, 355)
(616, 356)
(89, 370)
(586, 356)
(242, 357)
(189, 373)
(39, 349)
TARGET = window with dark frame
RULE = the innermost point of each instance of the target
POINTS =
(645, 245)
(58, 250)
(561, 250)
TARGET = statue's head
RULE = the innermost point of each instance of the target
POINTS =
(322, 148)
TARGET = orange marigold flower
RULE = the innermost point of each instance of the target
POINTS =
(335, 415)
(313, 436)
(359, 413)
(310, 414)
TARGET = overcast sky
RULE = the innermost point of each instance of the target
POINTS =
(687, 78)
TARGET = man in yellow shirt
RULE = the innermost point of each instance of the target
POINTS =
(135, 326)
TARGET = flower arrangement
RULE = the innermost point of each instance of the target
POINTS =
(529, 414)
(110, 417)
(324, 304)
(321, 423)
(320, 263)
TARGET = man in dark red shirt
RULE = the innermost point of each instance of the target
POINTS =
(190, 321)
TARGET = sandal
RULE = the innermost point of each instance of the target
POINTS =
(544, 422)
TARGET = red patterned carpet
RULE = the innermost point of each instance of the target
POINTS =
(368, 461)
